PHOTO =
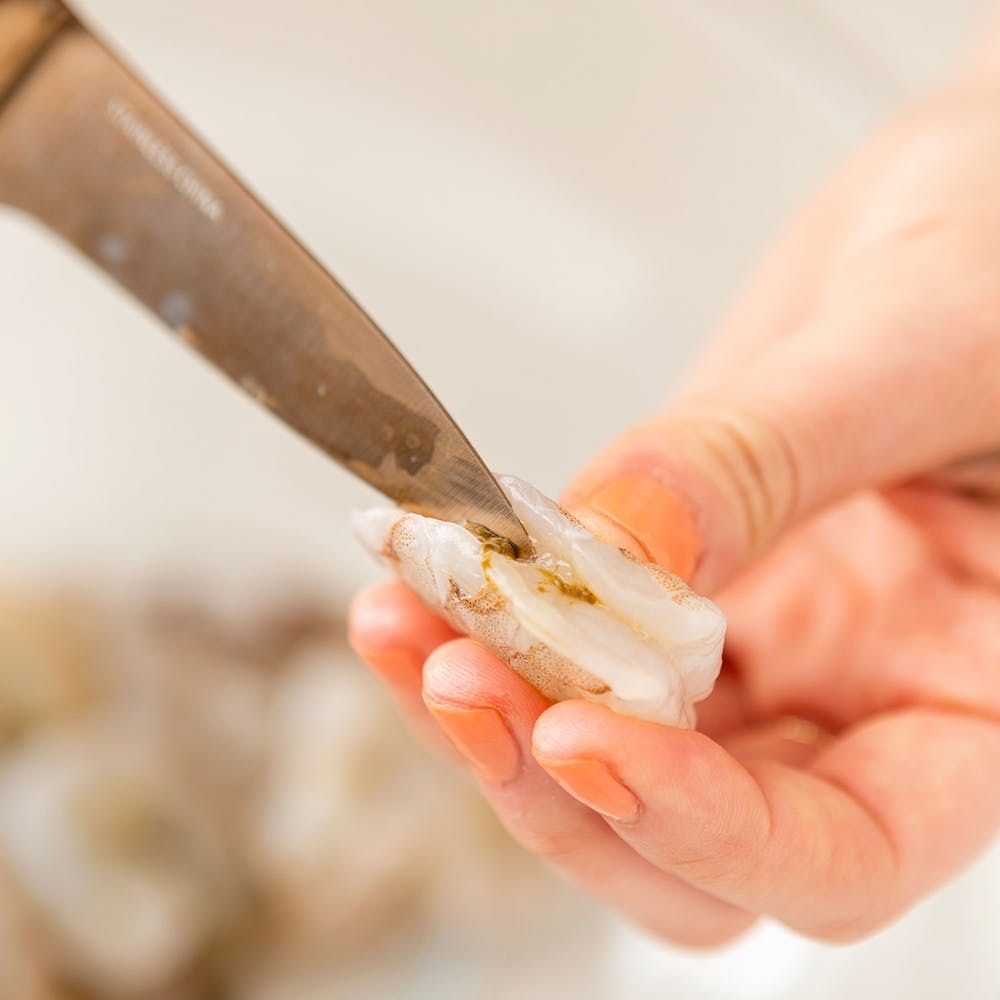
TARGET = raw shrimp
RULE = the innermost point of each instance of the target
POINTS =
(578, 619)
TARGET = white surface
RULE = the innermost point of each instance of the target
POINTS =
(545, 204)
(554, 201)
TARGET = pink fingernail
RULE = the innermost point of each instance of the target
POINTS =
(482, 736)
(395, 666)
(656, 518)
(594, 784)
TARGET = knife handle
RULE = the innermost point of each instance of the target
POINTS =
(26, 28)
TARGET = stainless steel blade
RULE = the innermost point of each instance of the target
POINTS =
(86, 149)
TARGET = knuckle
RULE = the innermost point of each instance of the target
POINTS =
(719, 864)
(558, 847)
(755, 458)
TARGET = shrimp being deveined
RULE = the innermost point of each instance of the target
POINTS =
(578, 619)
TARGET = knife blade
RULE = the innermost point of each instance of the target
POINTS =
(86, 149)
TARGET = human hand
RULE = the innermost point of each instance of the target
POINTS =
(831, 474)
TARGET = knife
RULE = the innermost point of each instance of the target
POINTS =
(86, 149)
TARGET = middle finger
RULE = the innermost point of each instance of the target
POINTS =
(489, 713)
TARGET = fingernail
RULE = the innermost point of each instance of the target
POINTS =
(655, 516)
(594, 784)
(395, 666)
(482, 736)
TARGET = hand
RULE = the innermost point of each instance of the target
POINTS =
(832, 474)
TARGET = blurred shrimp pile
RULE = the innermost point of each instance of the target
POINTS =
(195, 806)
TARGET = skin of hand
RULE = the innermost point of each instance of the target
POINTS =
(831, 475)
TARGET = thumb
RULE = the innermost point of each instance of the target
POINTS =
(708, 485)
